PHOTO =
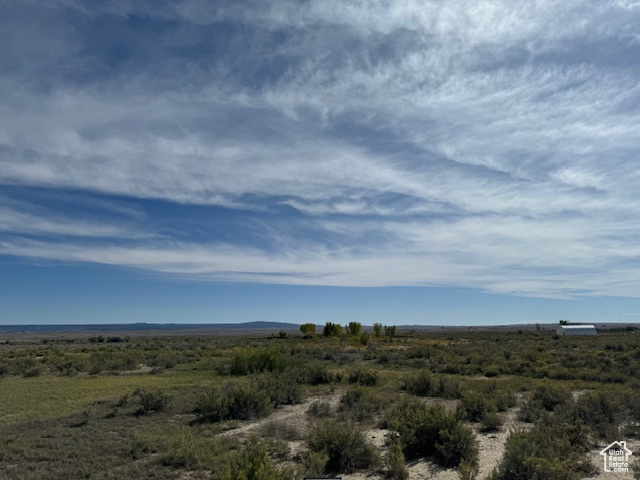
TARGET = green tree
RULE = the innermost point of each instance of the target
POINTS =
(308, 329)
(332, 330)
(354, 328)
(390, 331)
(377, 328)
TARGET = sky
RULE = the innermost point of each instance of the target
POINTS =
(408, 162)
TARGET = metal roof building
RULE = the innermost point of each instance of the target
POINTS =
(563, 330)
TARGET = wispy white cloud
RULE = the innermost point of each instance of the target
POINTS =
(484, 144)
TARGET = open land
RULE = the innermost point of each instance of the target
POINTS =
(501, 403)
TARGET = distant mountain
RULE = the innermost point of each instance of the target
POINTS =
(272, 326)
(109, 327)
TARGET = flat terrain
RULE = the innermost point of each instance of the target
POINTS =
(498, 404)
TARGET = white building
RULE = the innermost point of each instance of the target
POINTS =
(576, 330)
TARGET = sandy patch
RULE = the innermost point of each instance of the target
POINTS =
(294, 415)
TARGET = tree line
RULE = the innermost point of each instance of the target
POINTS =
(353, 329)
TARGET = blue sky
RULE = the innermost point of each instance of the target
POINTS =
(465, 162)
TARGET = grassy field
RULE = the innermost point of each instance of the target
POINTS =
(397, 405)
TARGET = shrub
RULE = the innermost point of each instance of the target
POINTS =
(491, 371)
(223, 458)
(542, 452)
(281, 430)
(344, 444)
(234, 400)
(152, 401)
(359, 404)
(468, 470)
(364, 338)
(424, 384)
(250, 360)
(449, 387)
(32, 372)
(432, 431)
(545, 398)
(192, 452)
(319, 409)
(476, 406)
(505, 400)
(253, 463)
(549, 395)
(596, 409)
(364, 377)
(314, 463)
(420, 384)
(317, 374)
(282, 388)
(396, 468)
(455, 444)
(490, 421)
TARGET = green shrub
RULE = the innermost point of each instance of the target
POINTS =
(490, 421)
(150, 402)
(234, 400)
(545, 398)
(426, 431)
(364, 377)
(282, 388)
(396, 467)
(246, 361)
(317, 374)
(359, 404)
(344, 444)
(492, 371)
(505, 400)
(455, 444)
(600, 410)
(253, 463)
(548, 395)
(419, 384)
(540, 453)
(281, 430)
(468, 470)
(314, 463)
(476, 406)
(191, 452)
(425, 384)
(32, 372)
(320, 409)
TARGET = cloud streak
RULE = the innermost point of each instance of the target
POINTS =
(477, 144)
